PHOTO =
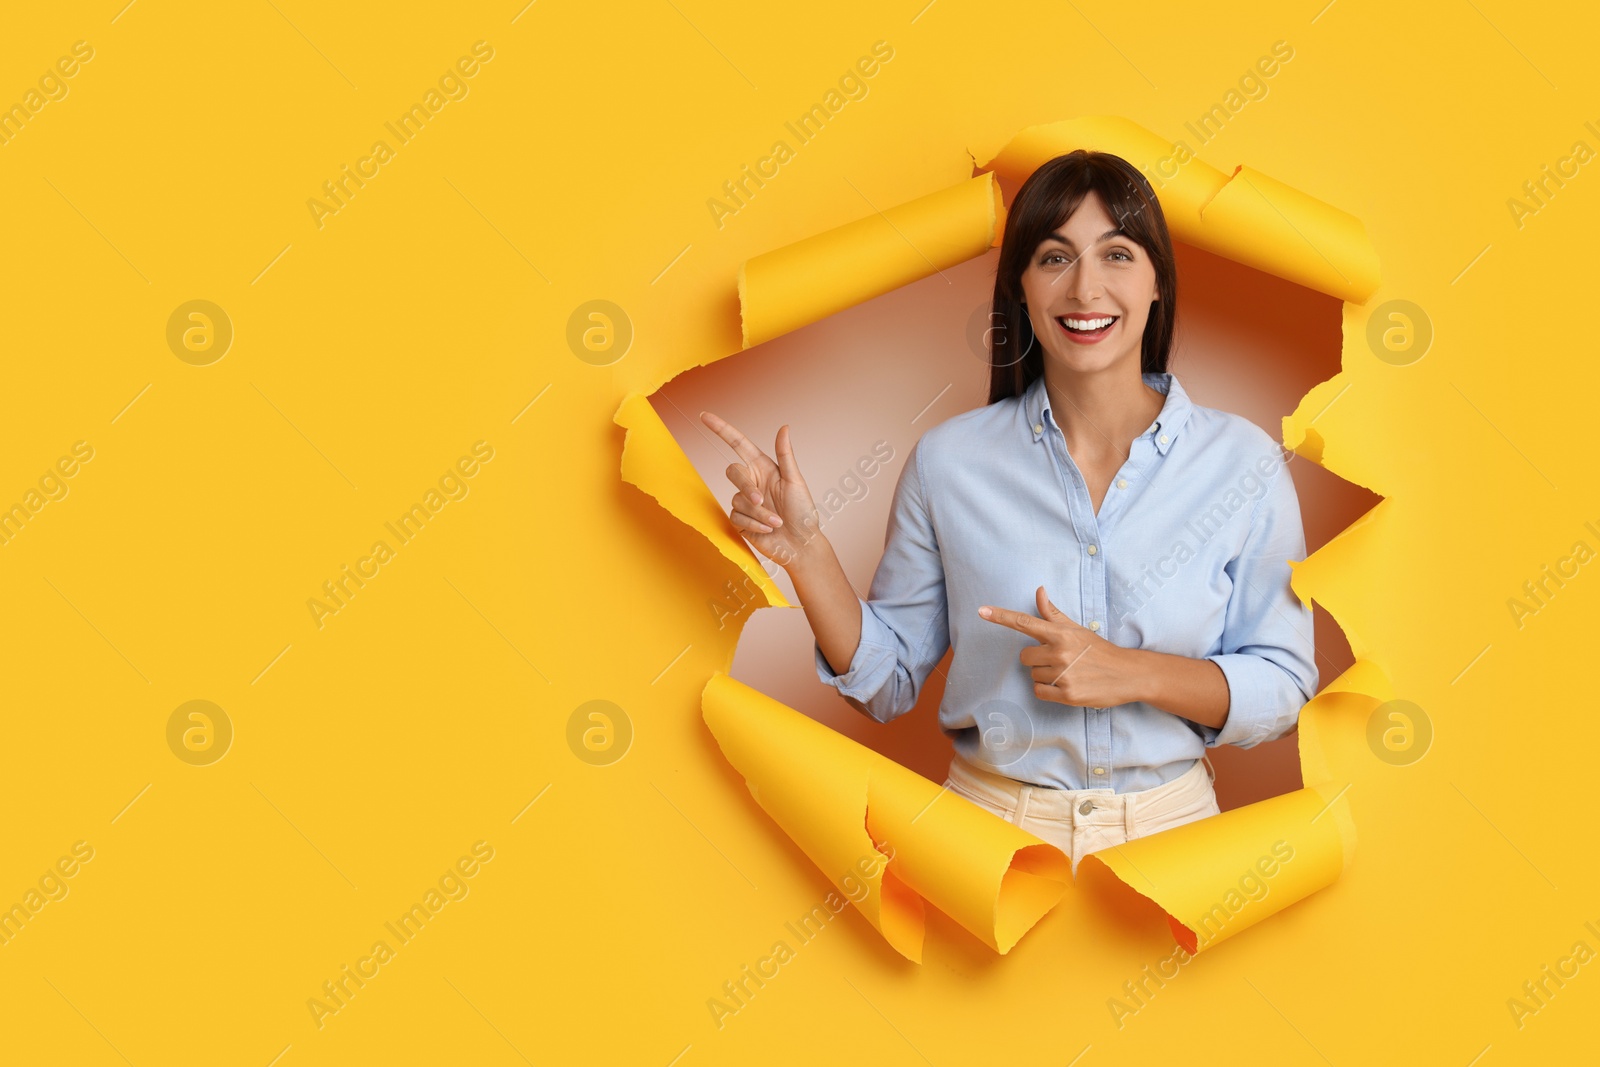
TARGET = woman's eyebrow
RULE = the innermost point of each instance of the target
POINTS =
(1118, 232)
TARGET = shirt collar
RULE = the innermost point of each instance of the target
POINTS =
(1162, 433)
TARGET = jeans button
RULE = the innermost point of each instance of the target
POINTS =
(1086, 807)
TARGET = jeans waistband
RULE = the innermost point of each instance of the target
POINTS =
(1077, 806)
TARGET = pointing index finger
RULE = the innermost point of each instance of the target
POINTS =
(724, 429)
(1016, 620)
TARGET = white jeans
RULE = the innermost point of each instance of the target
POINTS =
(1081, 821)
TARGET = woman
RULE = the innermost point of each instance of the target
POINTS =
(1109, 560)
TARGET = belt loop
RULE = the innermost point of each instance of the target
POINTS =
(1127, 815)
(1212, 771)
(1022, 802)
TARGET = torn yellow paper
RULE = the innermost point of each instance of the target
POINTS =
(839, 800)
(1220, 875)
(1341, 452)
(1273, 227)
(652, 460)
(1244, 216)
(809, 280)
(1183, 190)
(1364, 678)
(1333, 731)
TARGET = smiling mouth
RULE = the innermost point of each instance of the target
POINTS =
(1087, 328)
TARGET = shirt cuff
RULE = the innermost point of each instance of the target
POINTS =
(868, 670)
(1262, 702)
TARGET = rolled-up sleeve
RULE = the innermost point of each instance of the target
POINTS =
(905, 629)
(1268, 651)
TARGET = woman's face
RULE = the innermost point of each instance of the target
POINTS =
(1083, 275)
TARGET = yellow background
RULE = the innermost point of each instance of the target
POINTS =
(369, 354)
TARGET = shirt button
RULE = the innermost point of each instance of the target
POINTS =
(1038, 427)
(1093, 550)
(1094, 624)
(1122, 483)
(1162, 439)
(1086, 807)
(1099, 770)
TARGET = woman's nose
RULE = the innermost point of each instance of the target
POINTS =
(1083, 282)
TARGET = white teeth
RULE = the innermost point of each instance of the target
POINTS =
(1087, 325)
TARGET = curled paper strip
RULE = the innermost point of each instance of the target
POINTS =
(1245, 216)
(809, 280)
(653, 461)
(1333, 732)
(839, 800)
(1220, 875)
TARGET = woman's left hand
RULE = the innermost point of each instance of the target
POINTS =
(1071, 664)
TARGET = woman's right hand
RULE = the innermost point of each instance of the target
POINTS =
(773, 507)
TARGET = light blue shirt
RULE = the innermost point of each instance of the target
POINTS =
(1189, 555)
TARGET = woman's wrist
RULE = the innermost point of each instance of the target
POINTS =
(1136, 667)
(813, 553)
(1192, 688)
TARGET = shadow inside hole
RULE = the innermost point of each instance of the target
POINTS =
(864, 384)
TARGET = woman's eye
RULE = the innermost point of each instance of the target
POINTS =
(1120, 252)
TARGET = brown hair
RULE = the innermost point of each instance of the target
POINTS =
(1046, 200)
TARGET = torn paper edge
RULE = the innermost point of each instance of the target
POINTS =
(1198, 203)
(646, 447)
(905, 930)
